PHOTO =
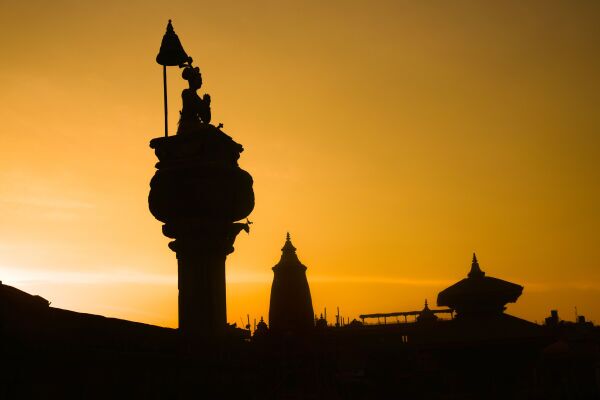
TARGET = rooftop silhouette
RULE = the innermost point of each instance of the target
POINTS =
(479, 294)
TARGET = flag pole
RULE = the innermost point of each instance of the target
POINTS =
(171, 53)
(165, 100)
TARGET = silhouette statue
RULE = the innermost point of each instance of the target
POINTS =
(199, 192)
(195, 110)
(215, 145)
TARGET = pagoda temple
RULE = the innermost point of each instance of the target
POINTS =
(478, 294)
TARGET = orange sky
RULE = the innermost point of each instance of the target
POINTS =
(392, 139)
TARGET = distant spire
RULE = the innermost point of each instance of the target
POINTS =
(426, 314)
(261, 328)
(475, 272)
(287, 237)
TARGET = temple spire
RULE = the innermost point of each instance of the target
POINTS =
(475, 272)
(288, 248)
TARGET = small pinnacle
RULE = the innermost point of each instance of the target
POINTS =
(288, 248)
(475, 269)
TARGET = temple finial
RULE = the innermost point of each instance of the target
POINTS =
(288, 247)
(475, 272)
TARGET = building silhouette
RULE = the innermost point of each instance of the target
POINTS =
(290, 307)
(431, 353)
(479, 295)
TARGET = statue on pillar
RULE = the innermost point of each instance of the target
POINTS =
(200, 194)
(195, 110)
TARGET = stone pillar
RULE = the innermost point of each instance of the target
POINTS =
(199, 191)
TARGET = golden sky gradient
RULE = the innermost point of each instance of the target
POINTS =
(391, 138)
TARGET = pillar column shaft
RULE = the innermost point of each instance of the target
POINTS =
(202, 291)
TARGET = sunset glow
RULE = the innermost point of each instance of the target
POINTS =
(391, 139)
